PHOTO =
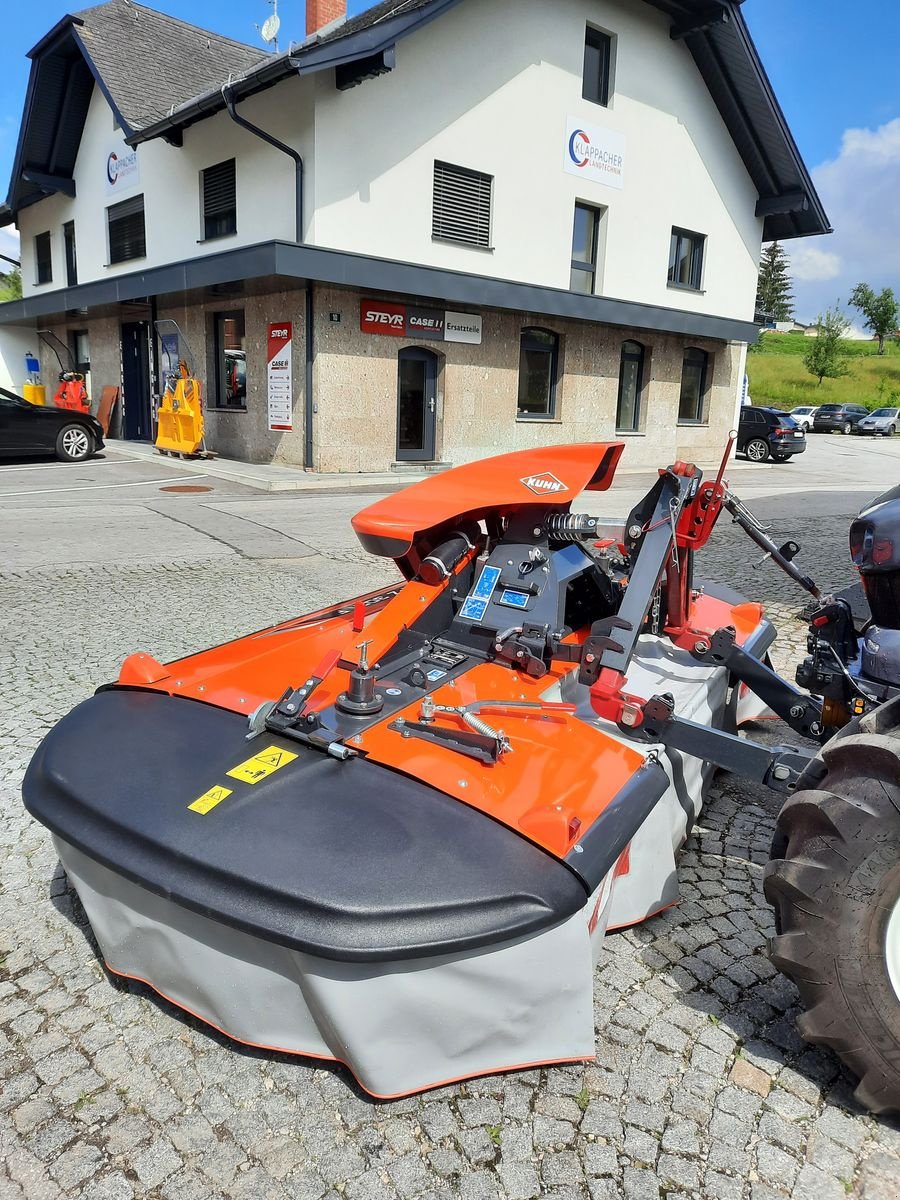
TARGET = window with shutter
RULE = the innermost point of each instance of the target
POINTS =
(462, 205)
(219, 200)
(127, 237)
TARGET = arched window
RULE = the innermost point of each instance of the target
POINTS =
(694, 373)
(631, 385)
(538, 365)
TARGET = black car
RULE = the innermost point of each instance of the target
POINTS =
(838, 418)
(33, 429)
(767, 433)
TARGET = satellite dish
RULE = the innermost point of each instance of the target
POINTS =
(271, 25)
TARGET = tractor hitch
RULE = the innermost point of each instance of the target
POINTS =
(778, 767)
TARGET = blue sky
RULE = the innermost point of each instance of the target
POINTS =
(834, 69)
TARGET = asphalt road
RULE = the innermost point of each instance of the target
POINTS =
(702, 1087)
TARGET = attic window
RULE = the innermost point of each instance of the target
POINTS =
(462, 205)
(219, 200)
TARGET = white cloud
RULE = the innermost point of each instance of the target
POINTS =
(860, 190)
(809, 263)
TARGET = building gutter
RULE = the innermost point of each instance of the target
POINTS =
(308, 407)
(228, 97)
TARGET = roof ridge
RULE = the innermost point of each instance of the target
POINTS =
(155, 13)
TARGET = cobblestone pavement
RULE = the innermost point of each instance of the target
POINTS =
(701, 1087)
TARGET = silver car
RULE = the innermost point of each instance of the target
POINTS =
(883, 421)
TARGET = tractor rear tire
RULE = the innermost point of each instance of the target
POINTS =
(836, 893)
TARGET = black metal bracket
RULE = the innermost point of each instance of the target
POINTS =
(778, 767)
(802, 712)
(474, 745)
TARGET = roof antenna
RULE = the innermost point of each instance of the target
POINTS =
(270, 27)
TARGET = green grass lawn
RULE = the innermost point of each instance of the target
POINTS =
(778, 377)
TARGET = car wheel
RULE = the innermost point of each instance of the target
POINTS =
(846, 427)
(74, 444)
(891, 431)
(757, 450)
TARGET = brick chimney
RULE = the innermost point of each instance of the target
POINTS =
(320, 13)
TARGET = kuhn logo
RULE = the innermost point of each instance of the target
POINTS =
(579, 148)
(544, 484)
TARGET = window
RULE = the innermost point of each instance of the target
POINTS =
(71, 260)
(585, 237)
(462, 206)
(631, 384)
(231, 359)
(43, 259)
(538, 363)
(127, 238)
(219, 201)
(686, 259)
(80, 347)
(694, 371)
(597, 66)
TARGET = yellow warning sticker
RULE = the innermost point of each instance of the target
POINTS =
(261, 765)
(210, 799)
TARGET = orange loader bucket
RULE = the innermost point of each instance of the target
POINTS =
(180, 416)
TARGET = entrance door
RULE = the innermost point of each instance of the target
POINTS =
(416, 404)
(136, 424)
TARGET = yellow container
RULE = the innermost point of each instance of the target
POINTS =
(34, 393)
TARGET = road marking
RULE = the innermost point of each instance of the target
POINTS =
(210, 799)
(93, 487)
(61, 466)
(260, 765)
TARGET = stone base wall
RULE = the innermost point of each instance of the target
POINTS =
(355, 386)
(239, 433)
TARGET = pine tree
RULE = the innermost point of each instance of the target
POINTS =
(775, 292)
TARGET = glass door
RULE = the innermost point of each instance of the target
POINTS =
(416, 405)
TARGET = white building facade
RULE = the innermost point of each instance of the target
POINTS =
(472, 225)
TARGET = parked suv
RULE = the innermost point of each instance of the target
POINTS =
(766, 432)
(838, 418)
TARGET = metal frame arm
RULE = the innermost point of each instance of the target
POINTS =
(778, 767)
(802, 712)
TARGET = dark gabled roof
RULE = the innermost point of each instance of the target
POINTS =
(718, 38)
(150, 62)
(367, 40)
(143, 61)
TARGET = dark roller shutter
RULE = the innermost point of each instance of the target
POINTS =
(462, 205)
(219, 203)
(127, 237)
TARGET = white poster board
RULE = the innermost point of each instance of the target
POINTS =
(280, 376)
